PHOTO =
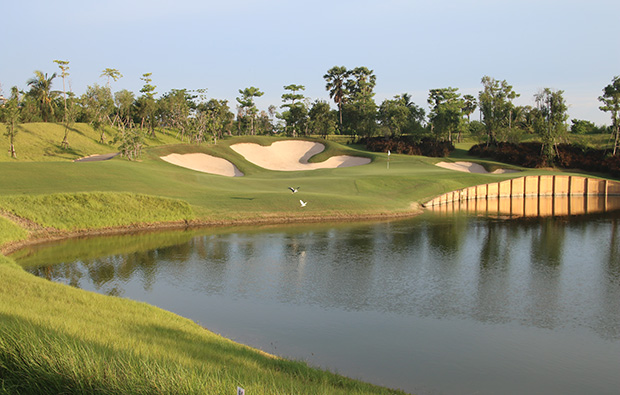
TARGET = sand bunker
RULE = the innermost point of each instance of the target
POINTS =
(470, 167)
(204, 163)
(293, 155)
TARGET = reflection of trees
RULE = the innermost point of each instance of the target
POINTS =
(69, 273)
(177, 253)
(548, 242)
(547, 246)
(214, 253)
(351, 272)
(100, 271)
(446, 237)
(493, 281)
(609, 317)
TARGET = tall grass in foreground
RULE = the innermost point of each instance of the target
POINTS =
(58, 339)
(70, 211)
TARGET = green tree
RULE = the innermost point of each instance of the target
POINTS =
(524, 118)
(11, 119)
(124, 101)
(394, 115)
(361, 109)
(417, 115)
(246, 101)
(297, 113)
(219, 117)
(360, 117)
(64, 72)
(446, 111)
(336, 78)
(361, 83)
(174, 108)
(97, 104)
(611, 104)
(580, 126)
(469, 106)
(41, 92)
(115, 75)
(495, 101)
(147, 107)
(322, 120)
(130, 143)
(263, 124)
(71, 115)
(551, 121)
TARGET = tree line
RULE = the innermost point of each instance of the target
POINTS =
(195, 118)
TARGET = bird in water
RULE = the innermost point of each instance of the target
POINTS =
(303, 204)
(293, 190)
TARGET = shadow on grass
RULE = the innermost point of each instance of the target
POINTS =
(39, 360)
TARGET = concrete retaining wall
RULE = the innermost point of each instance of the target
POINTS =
(531, 206)
(532, 186)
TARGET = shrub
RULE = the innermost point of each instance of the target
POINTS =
(569, 156)
(404, 145)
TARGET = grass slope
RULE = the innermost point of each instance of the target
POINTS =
(41, 142)
(58, 339)
(72, 211)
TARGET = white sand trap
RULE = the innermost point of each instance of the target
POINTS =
(204, 163)
(293, 155)
(470, 167)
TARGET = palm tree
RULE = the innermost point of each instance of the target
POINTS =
(111, 73)
(336, 78)
(41, 90)
(11, 118)
(611, 104)
(64, 67)
(247, 103)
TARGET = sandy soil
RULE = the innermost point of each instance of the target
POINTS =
(470, 167)
(293, 156)
(204, 163)
(97, 157)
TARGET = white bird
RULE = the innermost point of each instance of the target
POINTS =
(303, 204)
(294, 190)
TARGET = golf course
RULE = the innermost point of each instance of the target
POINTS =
(59, 339)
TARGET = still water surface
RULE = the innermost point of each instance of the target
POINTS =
(446, 304)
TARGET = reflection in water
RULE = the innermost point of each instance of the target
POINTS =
(432, 303)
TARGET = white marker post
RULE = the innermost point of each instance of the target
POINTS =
(388, 161)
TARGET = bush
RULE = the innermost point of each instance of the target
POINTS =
(404, 145)
(569, 156)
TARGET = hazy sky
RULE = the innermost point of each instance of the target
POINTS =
(412, 46)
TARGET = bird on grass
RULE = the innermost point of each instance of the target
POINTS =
(303, 204)
(293, 190)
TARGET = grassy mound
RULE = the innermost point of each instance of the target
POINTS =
(72, 211)
(9, 231)
(41, 142)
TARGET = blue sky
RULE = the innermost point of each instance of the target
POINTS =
(412, 46)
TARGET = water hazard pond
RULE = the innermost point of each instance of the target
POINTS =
(439, 304)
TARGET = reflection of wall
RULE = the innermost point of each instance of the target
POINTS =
(490, 197)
